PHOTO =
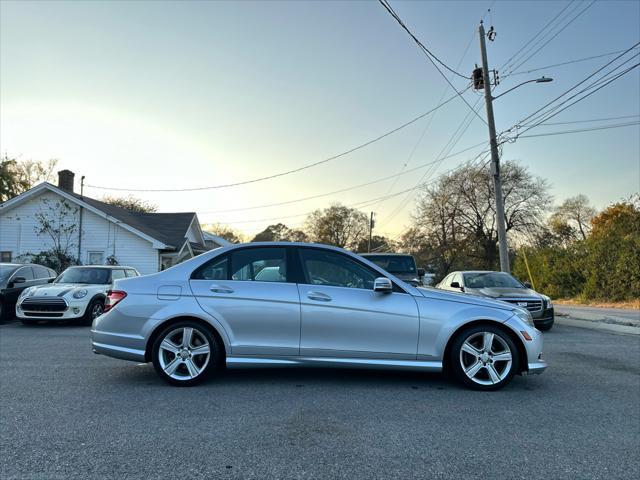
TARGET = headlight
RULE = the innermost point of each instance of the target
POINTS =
(81, 293)
(525, 316)
(26, 292)
(547, 301)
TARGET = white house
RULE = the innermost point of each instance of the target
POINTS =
(96, 232)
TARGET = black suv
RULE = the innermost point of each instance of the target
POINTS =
(14, 278)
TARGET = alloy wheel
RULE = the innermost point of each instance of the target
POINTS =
(184, 353)
(485, 358)
(96, 311)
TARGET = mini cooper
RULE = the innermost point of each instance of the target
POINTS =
(77, 294)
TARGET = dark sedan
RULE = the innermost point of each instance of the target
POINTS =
(502, 286)
(14, 278)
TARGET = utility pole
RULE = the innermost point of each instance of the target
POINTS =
(372, 223)
(495, 159)
(80, 222)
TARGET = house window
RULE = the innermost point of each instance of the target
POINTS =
(5, 257)
(95, 258)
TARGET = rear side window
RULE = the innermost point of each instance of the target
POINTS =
(260, 264)
(215, 269)
(117, 275)
(40, 272)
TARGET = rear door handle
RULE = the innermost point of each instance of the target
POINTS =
(319, 296)
(220, 289)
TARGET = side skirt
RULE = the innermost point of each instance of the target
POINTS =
(241, 361)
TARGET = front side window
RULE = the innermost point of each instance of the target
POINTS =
(394, 263)
(24, 272)
(334, 269)
(259, 264)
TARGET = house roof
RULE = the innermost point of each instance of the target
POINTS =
(169, 229)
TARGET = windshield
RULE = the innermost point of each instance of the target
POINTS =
(394, 263)
(490, 280)
(96, 276)
(6, 271)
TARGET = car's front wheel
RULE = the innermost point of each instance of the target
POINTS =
(93, 311)
(185, 353)
(484, 358)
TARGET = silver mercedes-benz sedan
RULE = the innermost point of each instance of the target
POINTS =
(297, 304)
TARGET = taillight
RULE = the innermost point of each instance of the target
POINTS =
(113, 298)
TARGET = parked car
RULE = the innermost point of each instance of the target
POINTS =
(401, 265)
(15, 278)
(503, 286)
(77, 294)
(327, 307)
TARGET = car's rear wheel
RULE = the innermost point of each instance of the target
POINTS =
(185, 353)
(484, 358)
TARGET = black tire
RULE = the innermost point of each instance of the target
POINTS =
(501, 339)
(94, 310)
(201, 333)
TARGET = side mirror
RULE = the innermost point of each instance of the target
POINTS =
(18, 280)
(383, 285)
(457, 285)
(527, 284)
(421, 272)
(50, 280)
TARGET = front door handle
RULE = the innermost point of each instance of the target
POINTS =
(220, 289)
(319, 296)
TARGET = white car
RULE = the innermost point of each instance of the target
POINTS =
(78, 293)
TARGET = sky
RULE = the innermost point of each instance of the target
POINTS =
(168, 95)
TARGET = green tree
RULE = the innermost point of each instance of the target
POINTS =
(379, 243)
(224, 231)
(19, 176)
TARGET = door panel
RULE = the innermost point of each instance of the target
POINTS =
(354, 322)
(261, 318)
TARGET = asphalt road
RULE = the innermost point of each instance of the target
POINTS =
(621, 315)
(67, 413)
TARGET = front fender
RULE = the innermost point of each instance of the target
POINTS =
(439, 320)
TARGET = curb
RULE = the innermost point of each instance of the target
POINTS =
(594, 325)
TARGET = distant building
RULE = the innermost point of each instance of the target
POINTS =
(148, 242)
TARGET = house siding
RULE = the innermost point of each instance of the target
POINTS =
(18, 234)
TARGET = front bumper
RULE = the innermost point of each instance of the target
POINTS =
(545, 319)
(533, 345)
(75, 310)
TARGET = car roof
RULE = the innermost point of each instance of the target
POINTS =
(386, 254)
(110, 267)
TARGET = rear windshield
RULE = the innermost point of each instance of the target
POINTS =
(395, 263)
(490, 280)
(94, 276)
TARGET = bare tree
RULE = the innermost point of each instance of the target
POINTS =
(224, 231)
(337, 225)
(575, 214)
(280, 233)
(131, 203)
(458, 214)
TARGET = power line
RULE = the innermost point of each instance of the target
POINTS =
(537, 35)
(565, 132)
(576, 85)
(592, 120)
(569, 62)
(312, 197)
(288, 172)
(429, 55)
(554, 36)
(428, 52)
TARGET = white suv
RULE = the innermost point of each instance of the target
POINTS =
(78, 293)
